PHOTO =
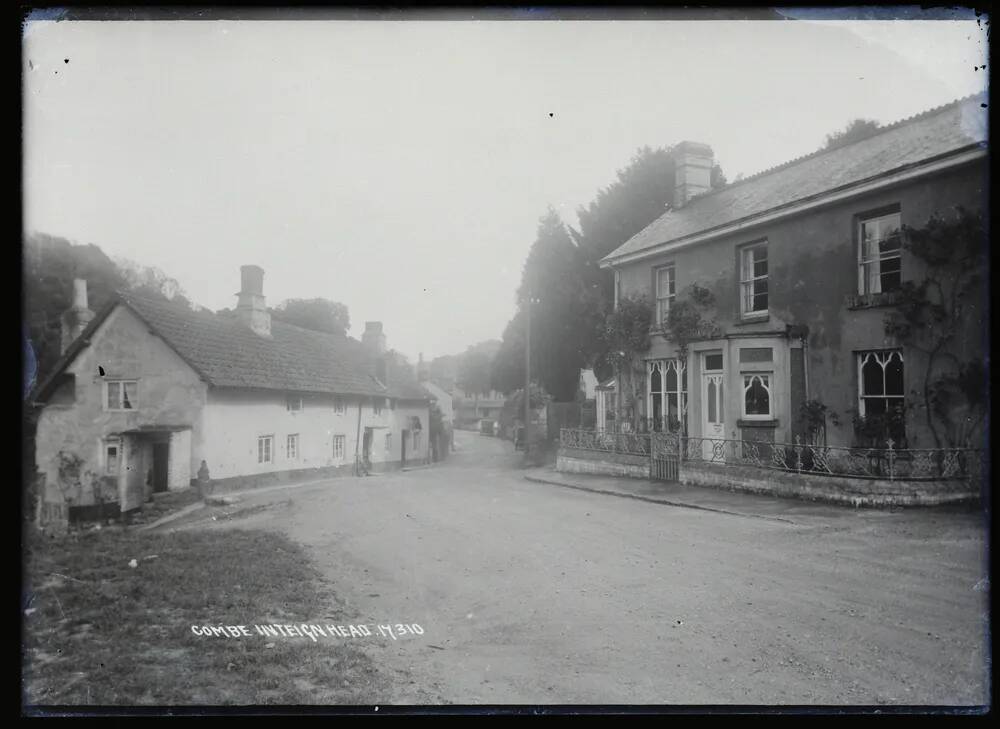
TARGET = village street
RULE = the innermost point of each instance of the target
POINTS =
(532, 593)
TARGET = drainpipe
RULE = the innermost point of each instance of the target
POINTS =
(805, 363)
(357, 438)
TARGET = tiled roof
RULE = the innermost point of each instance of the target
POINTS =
(928, 135)
(226, 353)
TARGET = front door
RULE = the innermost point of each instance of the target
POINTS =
(402, 448)
(713, 427)
(161, 452)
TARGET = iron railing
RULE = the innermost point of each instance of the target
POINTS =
(608, 441)
(911, 464)
(890, 463)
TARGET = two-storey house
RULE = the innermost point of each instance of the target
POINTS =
(802, 262)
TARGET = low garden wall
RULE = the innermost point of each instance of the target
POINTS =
(830, 488)
(577, 460)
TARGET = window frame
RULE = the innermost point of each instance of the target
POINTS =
(290, 439)
(862, 358)
(378, 405)
(289, 399)
(388, 443)
(679, 367)
(120, 386)
(879, 258)
(339, 405)
(342, 440)
(767, 382)
(669, 297)
(268, 441)
(748, 280)
(108, 444)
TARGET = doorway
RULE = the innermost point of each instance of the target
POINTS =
(713, 426)
(402, 451)
(161, 457)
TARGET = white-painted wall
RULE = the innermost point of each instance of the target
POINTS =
(234, 419)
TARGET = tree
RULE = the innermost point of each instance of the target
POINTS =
(507, 368)
(642, 192)
(624, 337)
(151, 282)
(50, 265)
(552, 290)
(474, 373)
(940, 316)
(855, 131)
(320, 315)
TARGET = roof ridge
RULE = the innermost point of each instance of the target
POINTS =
(882, 129)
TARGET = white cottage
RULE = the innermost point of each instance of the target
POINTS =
(147, 391)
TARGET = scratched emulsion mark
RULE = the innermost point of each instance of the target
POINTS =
(30, 366)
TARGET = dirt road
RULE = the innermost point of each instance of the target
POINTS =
(529, 593)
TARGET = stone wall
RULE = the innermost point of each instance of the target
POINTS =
(832, 489)
(575, 460)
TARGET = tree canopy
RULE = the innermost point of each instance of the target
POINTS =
(855, 131)
(50, 265)
(574, 295)
(552, 289)
(320, 315)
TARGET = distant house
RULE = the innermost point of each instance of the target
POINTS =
(471, 408)
(441, 398)
(803, 262)
(147, 391)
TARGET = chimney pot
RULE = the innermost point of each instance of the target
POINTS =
(374, 339)
(77, 317)
(693, 163)
(251, 306)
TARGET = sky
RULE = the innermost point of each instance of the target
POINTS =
(401, 167)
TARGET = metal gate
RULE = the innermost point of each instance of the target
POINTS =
(664, 456)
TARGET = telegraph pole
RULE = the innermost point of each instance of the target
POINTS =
(527, 374)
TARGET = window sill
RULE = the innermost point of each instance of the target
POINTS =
(764, 423)
(748, 320)
(871, 301)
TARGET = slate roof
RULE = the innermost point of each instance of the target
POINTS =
(934, 133)
(226, 353)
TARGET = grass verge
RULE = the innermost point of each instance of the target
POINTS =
(99, 632)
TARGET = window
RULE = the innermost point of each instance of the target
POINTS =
(122, 394)
(388, 442)
(881, 382)
(338, 405)
(265, 449)
(668, 399)
(111, 455)
(753, 280)
(293, 403)
(880, 244)
(757, 395)
(339, 446)
(666, 292)
(377, 405)
(292, 447)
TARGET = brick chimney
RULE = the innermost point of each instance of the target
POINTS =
(250, 307)
(76, 318)
(693, 162)
(373, 338)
